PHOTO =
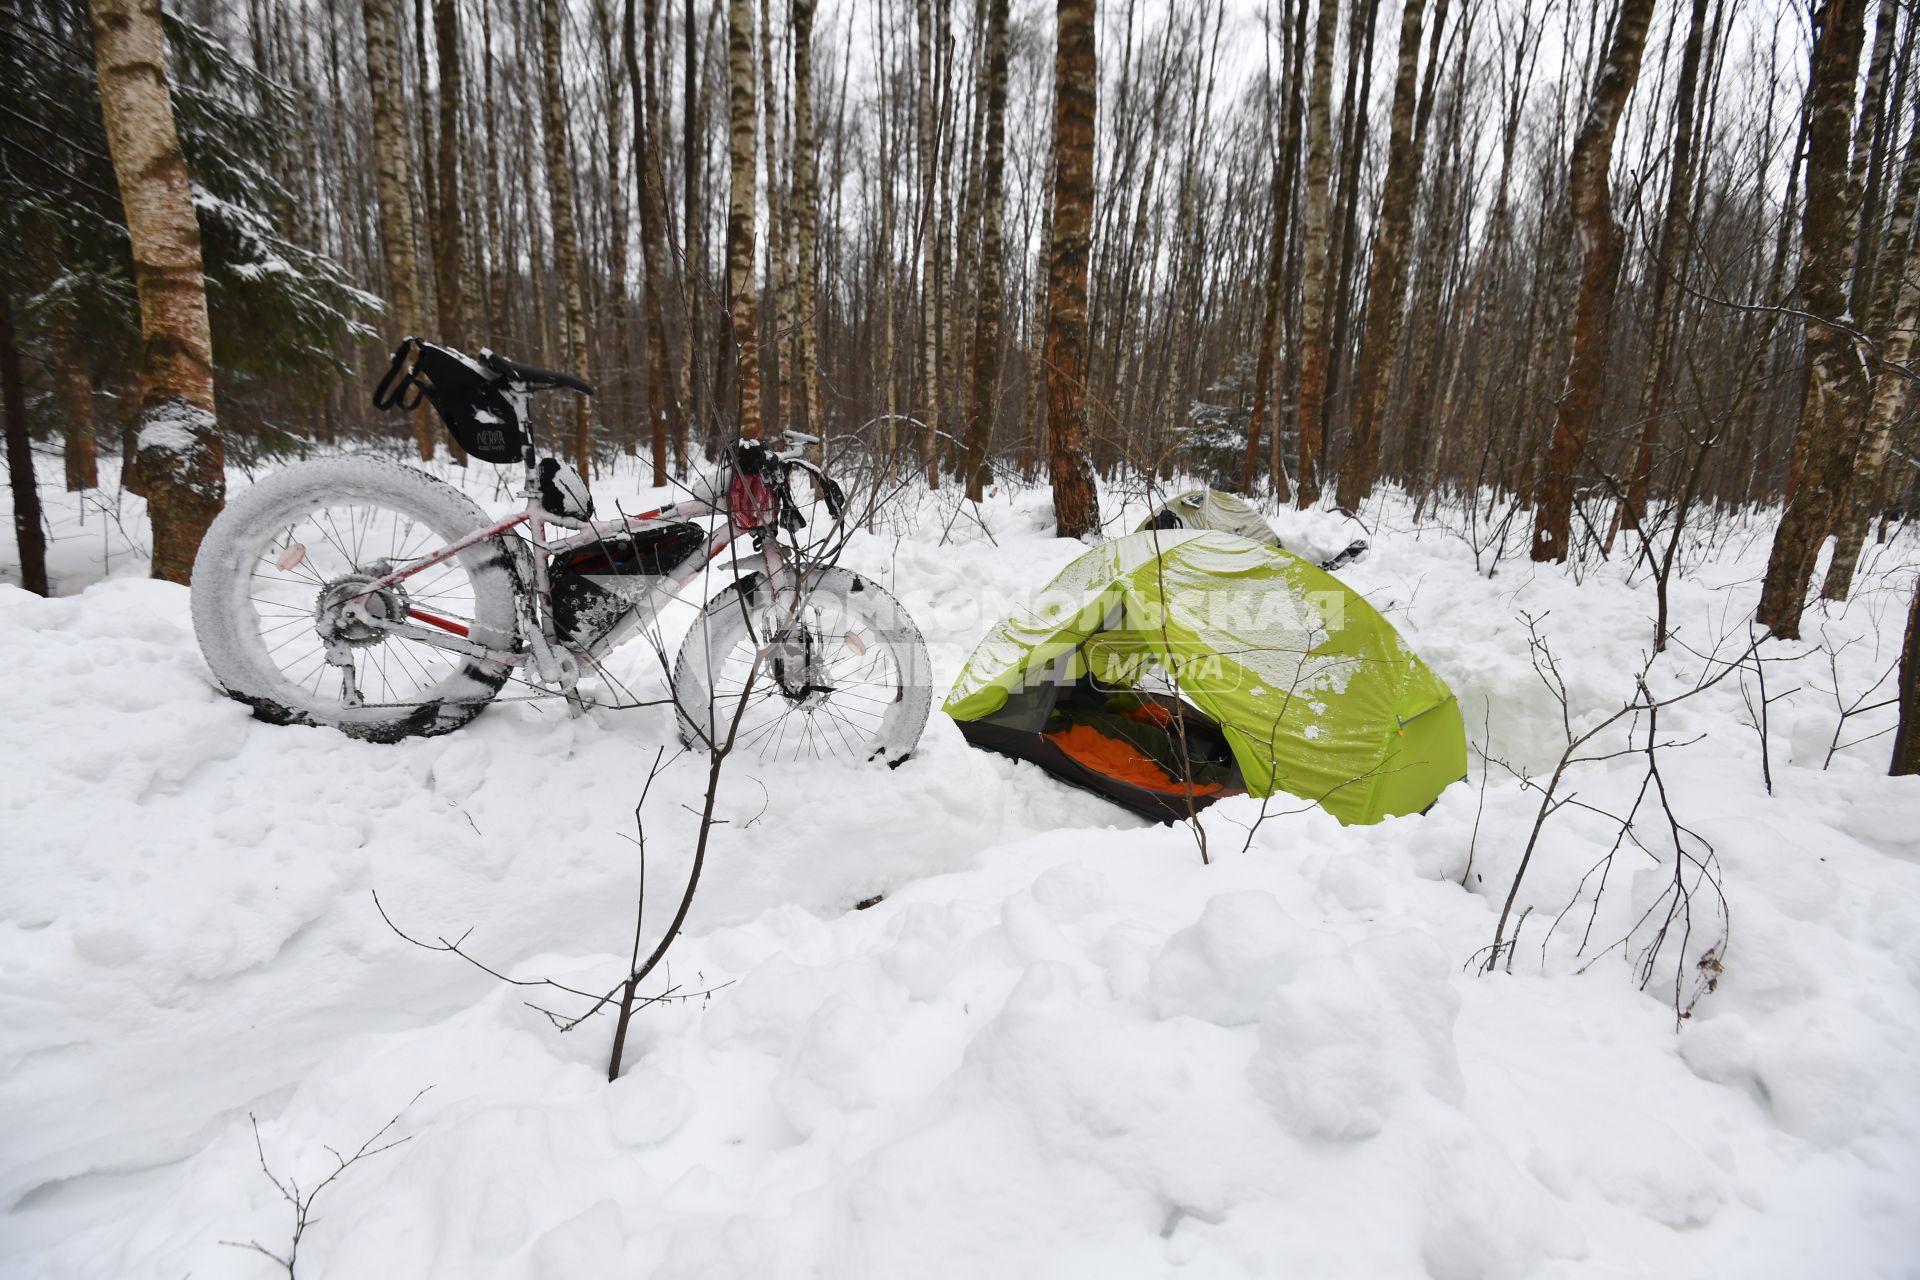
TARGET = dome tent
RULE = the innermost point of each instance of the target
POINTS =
(1174, 667)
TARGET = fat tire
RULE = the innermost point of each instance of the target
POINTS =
(723, 624)
(223, 568)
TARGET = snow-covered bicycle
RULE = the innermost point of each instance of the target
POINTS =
(368, 595)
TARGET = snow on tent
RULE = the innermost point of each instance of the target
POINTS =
(1212, 509)
(1174, 667)
(1225, 513)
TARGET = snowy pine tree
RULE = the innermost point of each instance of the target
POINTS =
(283, 315)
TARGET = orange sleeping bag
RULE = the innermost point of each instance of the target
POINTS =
(1120, 760)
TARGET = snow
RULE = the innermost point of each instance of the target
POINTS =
(171, 425)
(1060, 1046)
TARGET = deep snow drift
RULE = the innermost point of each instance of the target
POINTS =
(1060, 1046)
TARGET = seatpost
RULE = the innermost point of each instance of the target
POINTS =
(521, 401)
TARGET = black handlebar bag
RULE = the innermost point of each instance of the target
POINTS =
(469, 400)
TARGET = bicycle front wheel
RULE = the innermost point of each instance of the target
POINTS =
(842, 676)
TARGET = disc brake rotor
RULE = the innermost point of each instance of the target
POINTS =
(794, 662)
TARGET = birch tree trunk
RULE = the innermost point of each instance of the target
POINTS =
(394, 188)
(1313, 276)
(742, 197)
(566, 247)
(1590, 199)
(1897, 297)
(1823, 448)
(180, 455)
(1866, 140)
(986, 336)
(1387, 274)
(806, 221)
(1075, 88)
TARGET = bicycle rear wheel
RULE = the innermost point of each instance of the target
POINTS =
(277, 566)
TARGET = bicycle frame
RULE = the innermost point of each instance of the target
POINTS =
(554, 662)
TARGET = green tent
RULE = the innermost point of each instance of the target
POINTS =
(1169, 668)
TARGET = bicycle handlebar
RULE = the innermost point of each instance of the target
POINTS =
(532, 375)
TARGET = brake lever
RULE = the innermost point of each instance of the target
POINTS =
(830, 491)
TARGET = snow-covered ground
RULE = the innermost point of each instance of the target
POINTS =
(1061, 1046)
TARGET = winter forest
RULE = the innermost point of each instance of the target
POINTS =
(1122, 637)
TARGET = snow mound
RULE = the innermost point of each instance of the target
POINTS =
(1059, 1045)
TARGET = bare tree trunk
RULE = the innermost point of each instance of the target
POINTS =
(1590, 199)
(180, 455)
(500, 272)
(1188, 220)
(1823, 448)
(663, 407)
(883, 249)
(777, 397)
(1039, 377)
(806, 219)
(566, 248)
(426, 213)
(619, 389)
(1439, 229)
(450, 265)
(1282, 202)
(960, 315)
(1435, 361)
(1076, 506)
(743, 194)
(395, 188)
(1899, 270)
(75, 384)
(693, 231)
(986, 336)
(1866, 140)
(1353, 116)
(1668, 254)
(1387, 274)
(450, 262)
(929, 138)
(27, 533)
(1313, 234)
(1906, 738)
